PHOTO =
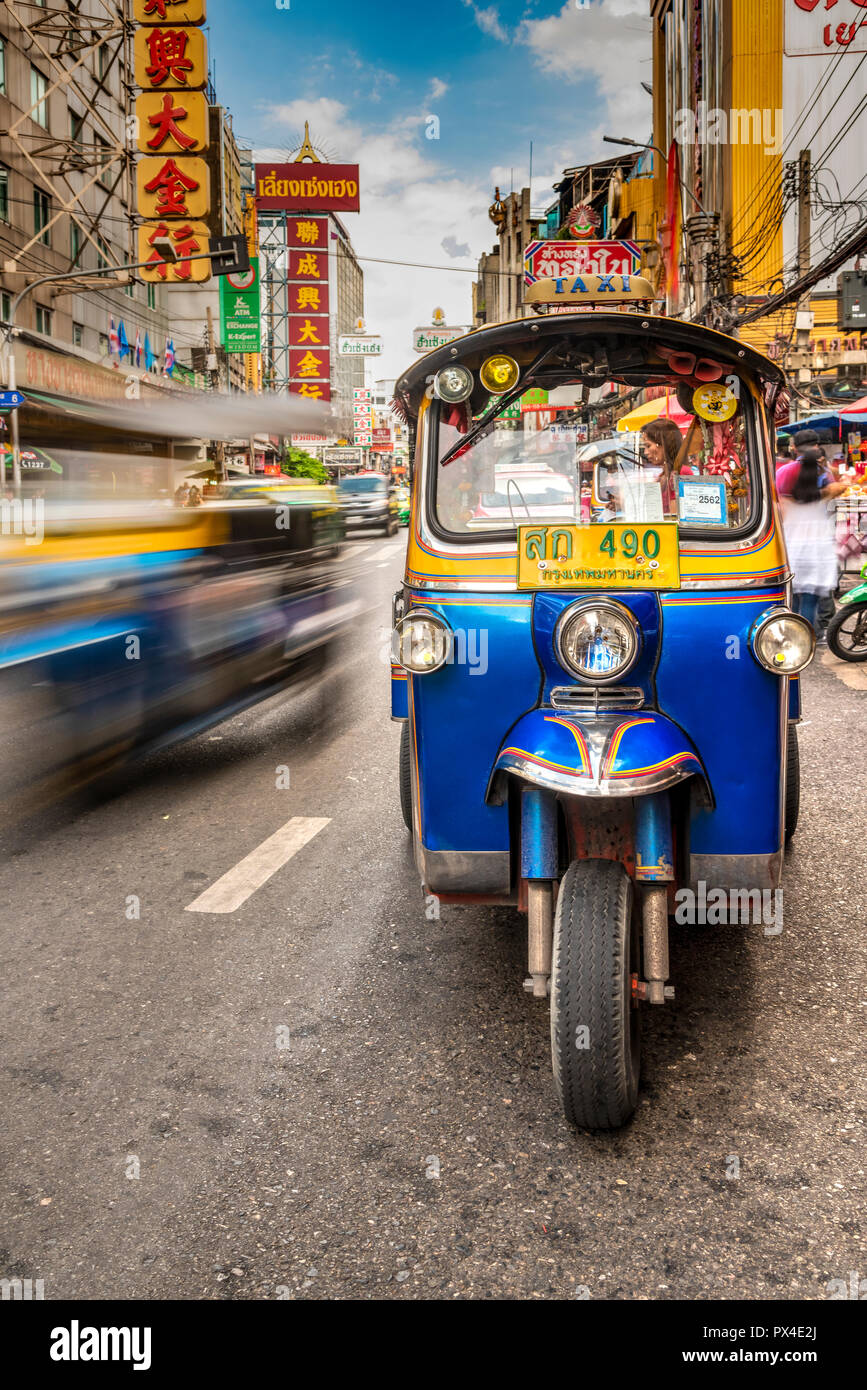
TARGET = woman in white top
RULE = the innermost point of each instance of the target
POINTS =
(809, 532)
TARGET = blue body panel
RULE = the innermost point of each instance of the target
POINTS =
(617, 753)
(399, 693)
(795, 698)
(461, 712)
(710, 683)
(547, 610)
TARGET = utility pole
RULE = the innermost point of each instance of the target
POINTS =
(219, 447)
(803, 317)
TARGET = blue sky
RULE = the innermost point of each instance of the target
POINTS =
(496, 77)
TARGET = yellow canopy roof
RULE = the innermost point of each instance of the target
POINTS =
(651, 410)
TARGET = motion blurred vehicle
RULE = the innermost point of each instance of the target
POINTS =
(596, 671)
(130, 626)
(402, 496)
(368, 503)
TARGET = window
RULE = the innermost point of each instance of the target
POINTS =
(687, 468)
(101, 254)
(38, 99)
(78, 335)
(4, 194)
(41, 214)
(102, 60)
(76, 126)
(152, 296)
(103, 344)
(75, 242)
(43, 320)
(103, 159)
(5, 305)
(2, 67)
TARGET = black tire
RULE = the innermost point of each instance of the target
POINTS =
(404, 776)
(793, 782)
(847, 632)
(595, 954)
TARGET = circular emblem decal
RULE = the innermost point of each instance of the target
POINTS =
(714, 402)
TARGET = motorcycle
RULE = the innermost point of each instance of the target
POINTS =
(847, 630)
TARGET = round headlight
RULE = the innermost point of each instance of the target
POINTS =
(598, 641)
(784, 642)
(453, 384)
(424, 642)
(499, 373)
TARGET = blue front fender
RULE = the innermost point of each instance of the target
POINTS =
(610, 754)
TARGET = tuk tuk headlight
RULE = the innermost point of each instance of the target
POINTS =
(424, 642)
(453, 384)
(499, 373)
(783, 642)
(598, 641)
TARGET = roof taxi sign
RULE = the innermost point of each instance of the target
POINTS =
(588, 291)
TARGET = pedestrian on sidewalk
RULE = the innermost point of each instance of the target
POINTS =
(805, 489)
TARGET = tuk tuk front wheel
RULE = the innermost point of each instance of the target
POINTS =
(595, 1025)
(793, 781)
(404, 776)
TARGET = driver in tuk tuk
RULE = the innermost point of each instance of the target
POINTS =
(662, 446)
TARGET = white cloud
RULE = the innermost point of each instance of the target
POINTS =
(609, 43)
(488, 21)
(437, 89)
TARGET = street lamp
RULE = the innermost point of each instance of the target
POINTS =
(647, 145)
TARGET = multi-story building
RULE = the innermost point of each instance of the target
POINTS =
(759, 112)
(67, 194)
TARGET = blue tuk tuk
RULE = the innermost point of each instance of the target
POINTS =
(595, 660)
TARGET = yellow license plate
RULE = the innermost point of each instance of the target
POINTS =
(605, 555)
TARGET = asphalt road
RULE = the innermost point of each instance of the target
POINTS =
(324, 1094)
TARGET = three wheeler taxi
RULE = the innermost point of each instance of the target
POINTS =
(595, 660)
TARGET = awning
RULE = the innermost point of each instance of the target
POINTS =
(665, 407)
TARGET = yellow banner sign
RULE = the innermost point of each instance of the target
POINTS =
(157, 241)
(171, 123)
(169, 11)
(170, 58)
(173, 187)
(605, 555)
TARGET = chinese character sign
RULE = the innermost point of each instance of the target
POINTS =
(173, 187)
(172, 122)
(184, 239)
(169, 11)
(170, 58)
(309, 325)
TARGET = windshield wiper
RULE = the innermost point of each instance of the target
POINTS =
(500, 404)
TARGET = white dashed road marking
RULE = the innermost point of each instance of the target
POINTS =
(389, 550)
(235, 887)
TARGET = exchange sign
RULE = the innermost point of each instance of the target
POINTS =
(239, 310)
(557, 260)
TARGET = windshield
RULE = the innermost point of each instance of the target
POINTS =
(673, 461)
(362, 484)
